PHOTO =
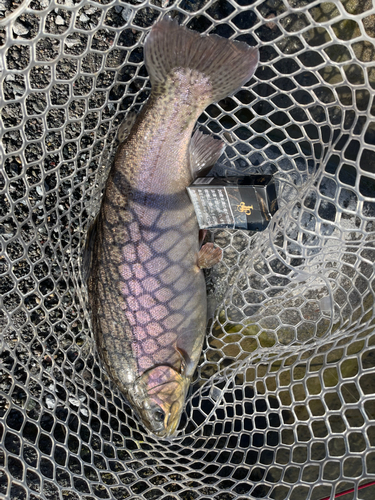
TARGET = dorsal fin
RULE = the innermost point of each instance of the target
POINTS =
(88, 249)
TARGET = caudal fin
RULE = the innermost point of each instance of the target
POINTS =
(227, 64)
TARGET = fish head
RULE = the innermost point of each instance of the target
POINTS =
(159, 399)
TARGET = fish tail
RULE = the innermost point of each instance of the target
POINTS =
(226, 64)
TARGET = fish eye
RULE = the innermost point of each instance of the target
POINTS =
(159, 415)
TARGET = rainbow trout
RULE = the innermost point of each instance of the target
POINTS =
(146, 288)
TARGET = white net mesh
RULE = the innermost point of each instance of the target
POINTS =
(283, 403)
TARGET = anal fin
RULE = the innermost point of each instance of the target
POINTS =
(205, 150)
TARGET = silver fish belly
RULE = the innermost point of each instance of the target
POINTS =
(146, 288)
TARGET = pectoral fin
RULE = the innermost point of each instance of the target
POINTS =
(185, 361)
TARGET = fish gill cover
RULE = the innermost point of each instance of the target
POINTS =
(282, 405)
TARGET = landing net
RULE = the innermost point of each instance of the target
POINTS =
(283, 403)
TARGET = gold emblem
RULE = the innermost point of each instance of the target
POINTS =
(244, 208)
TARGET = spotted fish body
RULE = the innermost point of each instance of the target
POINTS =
(146, 289)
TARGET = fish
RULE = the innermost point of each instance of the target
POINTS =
(144, 259)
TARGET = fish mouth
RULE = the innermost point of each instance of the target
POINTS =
(164, 428)
(154, 420)
(163, 433)
(159, 405)
(152, 426)
(173, 418)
